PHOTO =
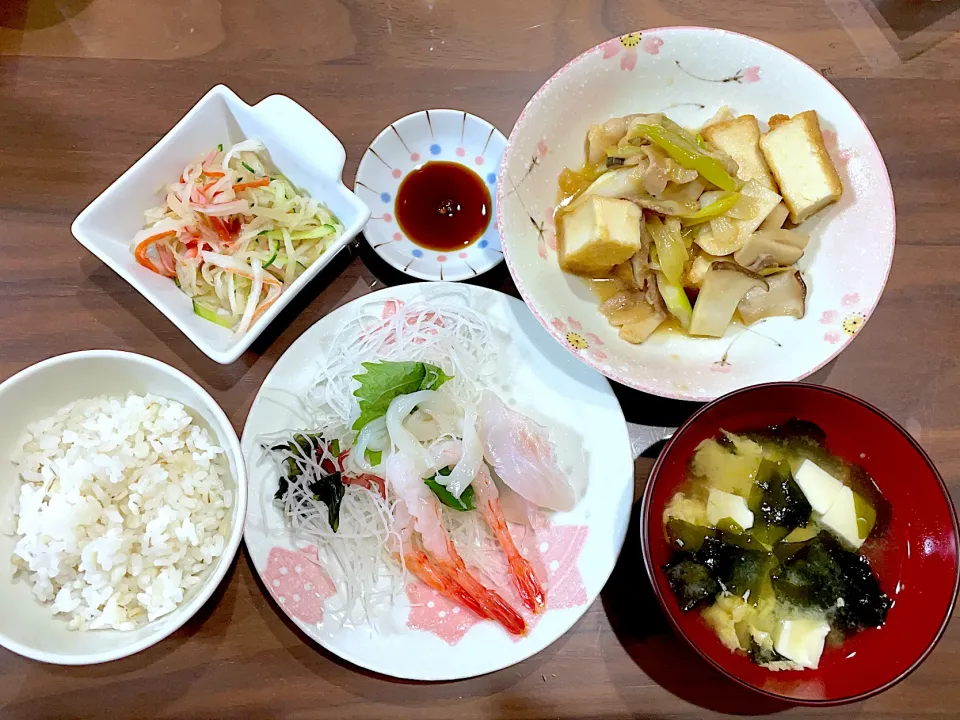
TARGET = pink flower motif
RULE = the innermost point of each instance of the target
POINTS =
(559, 325)
(598, 355)
(611, 48)
(594, 339)
(722, 367)
(829, 317)
(565, 583)
(542, 247)
(651, 44)
(833, 337)
(751, 75)
(850, 299)
(554, 552)
(548, 215)
(298, 583)
(551, 240)
(541, 150)
(625, 47)
(432, 612)
(575, 324)
(461, 152)
(829, 138)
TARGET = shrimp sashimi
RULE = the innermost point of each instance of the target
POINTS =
(518, 449)
(531, 592)
(424, 509)
(419, 563)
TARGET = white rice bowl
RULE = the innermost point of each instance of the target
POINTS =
(121, 510)
(28, 625)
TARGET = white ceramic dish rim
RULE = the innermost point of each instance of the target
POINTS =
(524, 292)
(417, 274)
(241, 344)
(212, 581)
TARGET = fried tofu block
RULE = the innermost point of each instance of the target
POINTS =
(740, 139)
(598, 234)
(795, 152)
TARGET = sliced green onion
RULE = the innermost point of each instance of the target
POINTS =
(248, 167)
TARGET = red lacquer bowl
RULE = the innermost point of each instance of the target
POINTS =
(916, 560)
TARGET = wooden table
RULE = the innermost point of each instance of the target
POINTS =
(87, 86)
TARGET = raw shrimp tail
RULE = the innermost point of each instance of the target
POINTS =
(494, 606)
(528, 586)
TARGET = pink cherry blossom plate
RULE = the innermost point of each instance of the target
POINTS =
(574, 552)
(689, 73)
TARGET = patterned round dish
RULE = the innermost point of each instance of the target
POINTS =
(432, 638)
(406, 145)
(689, 73)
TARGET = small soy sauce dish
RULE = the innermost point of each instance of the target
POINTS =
(429, 180)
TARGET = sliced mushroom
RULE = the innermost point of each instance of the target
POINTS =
(698, 269)
(776, 218)
(630, 311)
(770, 248)
(637, 332)
(723, 287)
(786, 296)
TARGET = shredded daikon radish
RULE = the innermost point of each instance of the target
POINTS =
(361, 556)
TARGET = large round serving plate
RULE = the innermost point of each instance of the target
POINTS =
(434, 639)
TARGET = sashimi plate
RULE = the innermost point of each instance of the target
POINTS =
(429, 637)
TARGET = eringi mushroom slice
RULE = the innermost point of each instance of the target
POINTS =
(786, 296)
(771, 247)
(633, 314)
(723, 287)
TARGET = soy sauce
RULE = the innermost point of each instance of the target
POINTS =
(443, 206)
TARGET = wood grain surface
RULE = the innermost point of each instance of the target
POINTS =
(87, 86)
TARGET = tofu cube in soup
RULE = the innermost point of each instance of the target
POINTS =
(723, 505)
(801, 640)
(740, 139)
(801, 165)
(841, 518)
(819, 487)
(597, 234)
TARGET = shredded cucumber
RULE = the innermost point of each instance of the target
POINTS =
(262, 237)
(208, 312)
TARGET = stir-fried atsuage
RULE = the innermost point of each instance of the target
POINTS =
(692, 228)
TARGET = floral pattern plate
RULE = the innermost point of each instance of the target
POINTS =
(690, 73)
(448, 135)
(576, 551)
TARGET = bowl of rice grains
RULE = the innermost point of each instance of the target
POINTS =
(122, 493)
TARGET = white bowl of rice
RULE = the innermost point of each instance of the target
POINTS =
(122, 493)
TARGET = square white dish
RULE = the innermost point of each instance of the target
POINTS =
(298, 145)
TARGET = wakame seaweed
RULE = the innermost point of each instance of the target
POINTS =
(326, 486)
(823, 575)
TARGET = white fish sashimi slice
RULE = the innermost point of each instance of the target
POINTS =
(520, 452)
